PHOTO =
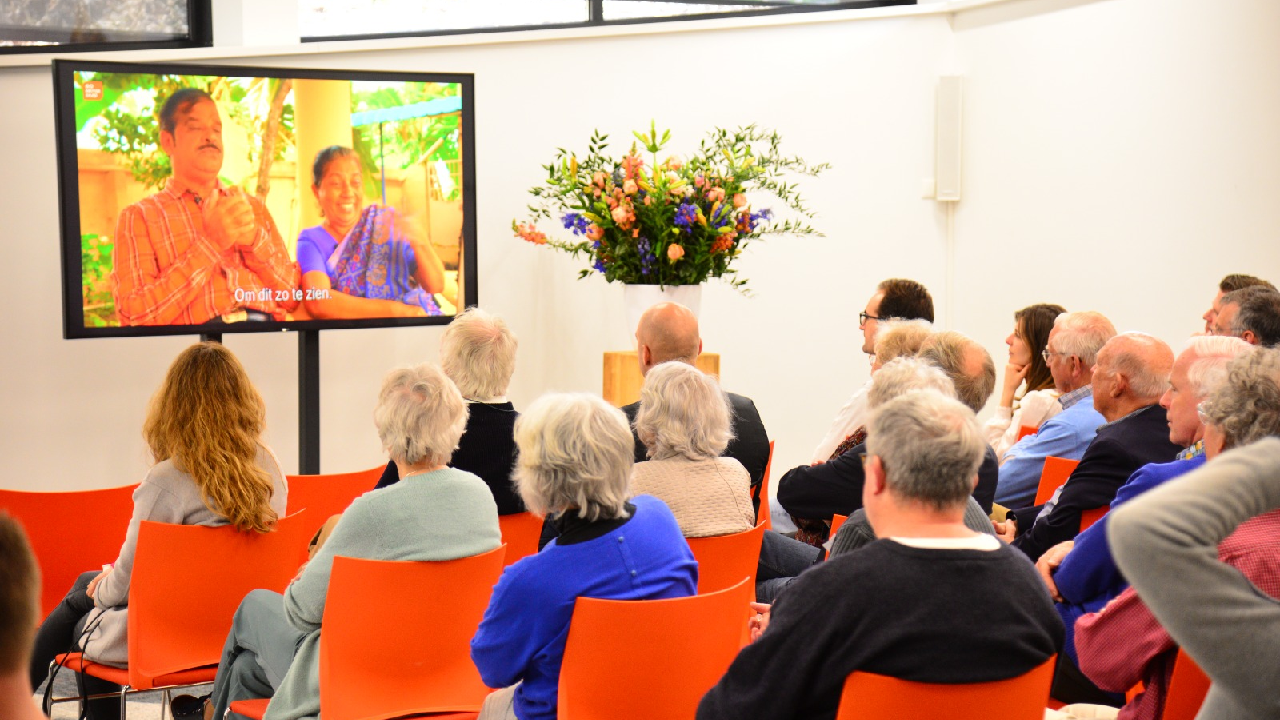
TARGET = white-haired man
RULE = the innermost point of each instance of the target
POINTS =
(1081, 574)
(1070, 353)
(669, 332)
(1251, 314)
(930, 601)
(478, 353)
(1130, 377)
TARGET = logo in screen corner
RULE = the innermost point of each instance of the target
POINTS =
(93, 90)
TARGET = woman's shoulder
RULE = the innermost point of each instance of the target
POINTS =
(730, 465)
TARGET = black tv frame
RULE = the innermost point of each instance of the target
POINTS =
(69, 194)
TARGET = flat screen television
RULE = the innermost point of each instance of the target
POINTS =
(205, 199)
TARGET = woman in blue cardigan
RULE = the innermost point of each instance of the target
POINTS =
(575, 454)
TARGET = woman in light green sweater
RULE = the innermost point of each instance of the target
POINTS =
(433, 513)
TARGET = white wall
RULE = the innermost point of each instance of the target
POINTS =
(1117, 137)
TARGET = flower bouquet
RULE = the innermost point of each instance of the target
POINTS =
(674, 222)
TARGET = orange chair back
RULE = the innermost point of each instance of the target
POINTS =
(188, 581)
(1089, 517)
(397, 636)
(1026, 430)
(763, 515)
(520, 533)
(1055, 473)
(70, 532)
(836, 522)
(868, 696)
(1187, 688)
(323, 496)
(725, 560)
(649, 659)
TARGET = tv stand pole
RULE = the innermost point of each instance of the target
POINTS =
(309, 402)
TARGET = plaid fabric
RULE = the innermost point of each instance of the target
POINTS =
(1124, 643)
(169, 272)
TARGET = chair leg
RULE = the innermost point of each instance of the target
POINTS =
(164, 704)
(124, 704)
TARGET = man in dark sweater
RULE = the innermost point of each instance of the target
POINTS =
(478, 353)
(669, 331)
(931, 601)
(1131, 374)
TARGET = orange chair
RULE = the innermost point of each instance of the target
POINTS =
(323, 496)
(1026, 430)
(868, 696)
(836, 522)
(761, 493)
(724, 560)
(101, 518)
(397, 636)
(187, 582)
(1187, 688)
(673, 650)
(1053, 476)
(1091, 516)
(520, 533)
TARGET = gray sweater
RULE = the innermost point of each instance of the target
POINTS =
(441, 515)
(1166, 544)
(168, 495)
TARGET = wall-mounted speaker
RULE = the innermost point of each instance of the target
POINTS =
(946, 159)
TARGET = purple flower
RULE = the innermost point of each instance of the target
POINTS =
(686, 215)
(576, 222)
(599, 266)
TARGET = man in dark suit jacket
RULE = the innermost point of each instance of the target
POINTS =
(669, 331)
(1131, 374)
(815, 492)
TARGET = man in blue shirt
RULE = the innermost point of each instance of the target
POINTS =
(1070, 353)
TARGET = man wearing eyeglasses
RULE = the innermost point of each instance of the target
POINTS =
(1070, 353)
(894, 299)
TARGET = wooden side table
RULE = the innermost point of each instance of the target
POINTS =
(622, 379)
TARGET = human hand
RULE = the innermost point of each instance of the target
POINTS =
(229, 220)
(759, 622)
(1014, 375)
(1007, 530)
(93, 584)
(1049, 562)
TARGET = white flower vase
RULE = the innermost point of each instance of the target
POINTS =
(639, 298)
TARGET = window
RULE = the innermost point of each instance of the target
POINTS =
(81, 25)
(351, 19)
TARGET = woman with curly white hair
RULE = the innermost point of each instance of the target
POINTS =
(575, 454)
(684, 421)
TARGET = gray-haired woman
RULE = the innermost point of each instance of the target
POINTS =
(684, 421)
(574, 462)
(434, 513)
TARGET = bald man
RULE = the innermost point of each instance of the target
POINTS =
(669, 332)
(1130, 376)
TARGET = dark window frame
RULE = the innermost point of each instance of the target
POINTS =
(199, 31)
(596, 18)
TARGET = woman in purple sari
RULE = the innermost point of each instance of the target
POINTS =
(362, 261)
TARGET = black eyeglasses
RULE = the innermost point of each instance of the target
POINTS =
(864, 317)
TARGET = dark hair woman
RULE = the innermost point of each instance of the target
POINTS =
(1028, 370)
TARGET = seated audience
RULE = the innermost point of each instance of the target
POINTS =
(574, 462)
(434, 513)
(1232, 282)
(971, 369)
(204, 429)
(478, 353)
(1131, 375)
(1081, 574)
(1070, 353)
(1205, 576)
(894, 299)
(1251, 314)
(669, 332)
(684, 423)
(932, 601)
(895, 339)
(1027, 369)
(839, 483)
(19, 613)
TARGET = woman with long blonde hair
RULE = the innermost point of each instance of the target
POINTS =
(203, 427)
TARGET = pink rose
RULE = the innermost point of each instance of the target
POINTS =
(619, 214)
(674, 252)
(629, 187)
(739, 200)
